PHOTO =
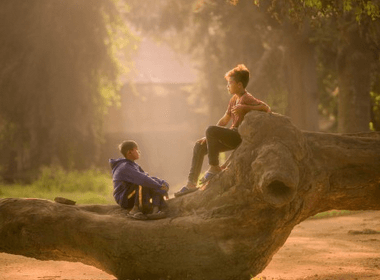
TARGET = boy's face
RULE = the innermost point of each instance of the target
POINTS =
(134, 154)
(233, 86)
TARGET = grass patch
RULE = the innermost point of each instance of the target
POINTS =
(333, 213)
(85, 187)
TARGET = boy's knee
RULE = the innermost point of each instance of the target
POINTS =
(210, 131)
(200, 147)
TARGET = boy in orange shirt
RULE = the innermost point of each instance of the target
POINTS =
(219, 138)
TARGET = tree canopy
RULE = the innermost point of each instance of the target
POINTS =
(60, 69)
(60, 72)
(297, 52)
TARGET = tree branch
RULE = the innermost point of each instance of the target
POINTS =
(277, 177)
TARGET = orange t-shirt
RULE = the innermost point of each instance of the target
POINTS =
(245, 99)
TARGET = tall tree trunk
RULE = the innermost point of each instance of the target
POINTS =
(301, 80)
(354, 70)
(278, 177)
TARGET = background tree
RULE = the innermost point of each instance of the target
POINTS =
(222, 34)
(297, 52)
(346, 37)
(353, 29)
(218, 35)
(375, 104)
(59, 74)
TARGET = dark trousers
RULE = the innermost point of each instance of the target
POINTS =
(132, 198)
(147, 194)
(218, 139)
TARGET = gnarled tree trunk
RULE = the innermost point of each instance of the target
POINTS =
(277, 178)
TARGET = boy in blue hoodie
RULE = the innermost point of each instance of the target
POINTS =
(133, 188)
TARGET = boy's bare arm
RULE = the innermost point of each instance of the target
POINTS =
(246, 108)
(224, 120)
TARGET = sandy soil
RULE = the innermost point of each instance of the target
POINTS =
(340, 248)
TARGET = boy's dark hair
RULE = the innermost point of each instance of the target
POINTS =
(240, 74)
(126, 146)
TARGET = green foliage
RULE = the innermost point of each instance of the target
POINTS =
(375, 122)
(316, 8)
(57, 179)
(90, 186)
(333, 213)
(362, 9)
(59, 74)
(313, 3)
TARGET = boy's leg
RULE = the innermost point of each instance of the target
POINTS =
(136, 204)
(157, 202)
(143, 198)
(199, 152)
(129, 198)
(220, 139)
(158, 205)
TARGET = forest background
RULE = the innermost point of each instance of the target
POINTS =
(65, 63)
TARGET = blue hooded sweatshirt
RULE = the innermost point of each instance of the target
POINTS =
(129, 172)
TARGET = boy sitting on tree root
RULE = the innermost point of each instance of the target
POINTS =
(133, 188)
(219, 138)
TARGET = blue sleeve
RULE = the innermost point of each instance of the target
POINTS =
(130, 174)
(160, 181)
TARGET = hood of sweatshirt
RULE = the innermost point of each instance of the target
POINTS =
(115, 162)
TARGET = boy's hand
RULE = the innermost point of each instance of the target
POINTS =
(238, 109)
(202, 140)
(165, 186)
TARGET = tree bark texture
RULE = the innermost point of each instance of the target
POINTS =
(277, 177)
(354, 76)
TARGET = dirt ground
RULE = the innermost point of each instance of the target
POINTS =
(339, 248)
